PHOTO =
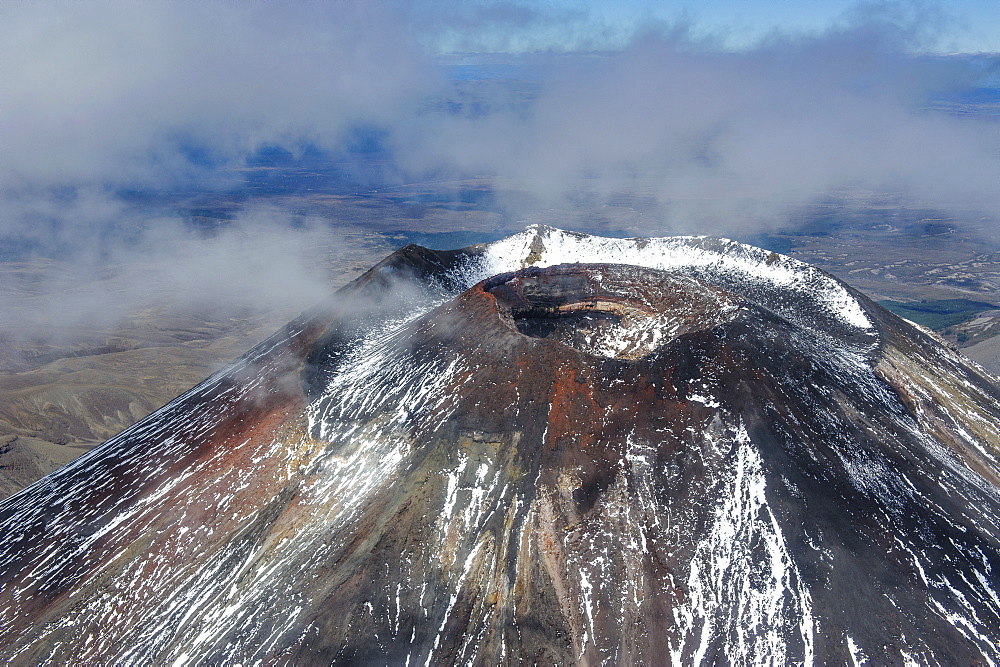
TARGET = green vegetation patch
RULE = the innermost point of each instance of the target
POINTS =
(938, 313)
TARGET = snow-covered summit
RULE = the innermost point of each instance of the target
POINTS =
(738, 266)
(741, 266)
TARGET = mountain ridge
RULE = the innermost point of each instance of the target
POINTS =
(462, 464)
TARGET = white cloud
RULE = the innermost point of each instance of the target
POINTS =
(726, 141)
(102, 91)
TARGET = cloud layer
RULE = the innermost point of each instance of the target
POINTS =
(121, 92)
(726, 140)
(97, 98)
(101, 97)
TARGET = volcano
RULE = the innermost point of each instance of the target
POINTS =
(553, 448)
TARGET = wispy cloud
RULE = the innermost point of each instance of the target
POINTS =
(100, 97)
(725, 140)
(120, 92)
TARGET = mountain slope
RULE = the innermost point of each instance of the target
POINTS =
(552, 448)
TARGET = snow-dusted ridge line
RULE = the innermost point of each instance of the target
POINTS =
(541, 245)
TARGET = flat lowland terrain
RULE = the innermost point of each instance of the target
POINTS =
(939, 271)
(65, 388)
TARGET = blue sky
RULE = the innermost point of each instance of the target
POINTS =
(969, 26)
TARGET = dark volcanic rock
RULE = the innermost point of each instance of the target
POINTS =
(675, 451)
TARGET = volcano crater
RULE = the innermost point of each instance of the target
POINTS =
(608, 310)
